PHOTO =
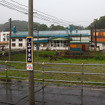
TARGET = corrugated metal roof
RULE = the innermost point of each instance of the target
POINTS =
(61, 33)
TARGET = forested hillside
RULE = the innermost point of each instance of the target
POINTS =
(23, 26)
(100, 23)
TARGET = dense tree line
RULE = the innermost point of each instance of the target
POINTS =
(100, 23)
(23, 26)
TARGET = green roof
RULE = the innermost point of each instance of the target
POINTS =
(41, 41)
(80, 42)
(97, 42)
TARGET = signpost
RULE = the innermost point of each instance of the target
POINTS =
(29, 53)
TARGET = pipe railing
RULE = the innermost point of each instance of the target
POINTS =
(43, 71)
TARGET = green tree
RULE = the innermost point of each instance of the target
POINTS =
(58, 27)
(100, 23)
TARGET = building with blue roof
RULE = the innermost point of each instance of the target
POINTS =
(53, 40)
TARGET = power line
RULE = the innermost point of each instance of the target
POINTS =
(48, 14)
(40, 16)
(11, 8)
(41, 12)
(34, 16)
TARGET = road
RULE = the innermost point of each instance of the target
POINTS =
(17, 94)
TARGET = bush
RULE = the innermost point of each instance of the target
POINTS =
(99, 56)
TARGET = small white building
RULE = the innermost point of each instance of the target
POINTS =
(4, 36)
(4, 39)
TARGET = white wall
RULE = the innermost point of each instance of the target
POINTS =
(4, 35)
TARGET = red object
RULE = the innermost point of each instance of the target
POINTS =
(83, 47)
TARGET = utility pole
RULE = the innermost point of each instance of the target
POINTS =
(37, 45)
(91, 35)
(10, 40)
(95, 37)
(68, 38)
(31, 72)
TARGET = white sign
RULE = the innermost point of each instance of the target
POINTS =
(29, 66)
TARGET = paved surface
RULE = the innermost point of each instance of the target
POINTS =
(17, 94)
(3, 67)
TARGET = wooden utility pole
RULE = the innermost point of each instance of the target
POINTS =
(31, 72)
(10, 40)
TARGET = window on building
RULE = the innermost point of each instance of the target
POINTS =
(65, 43)
(13, 44)
(3, 39)
(7, 39)
(13, 40)
(20, 39)
(57, 43)
(52, 44)
(20, 44)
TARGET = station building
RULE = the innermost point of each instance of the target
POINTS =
(54, 40)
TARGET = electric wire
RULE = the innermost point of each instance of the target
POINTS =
(48, 14)
(26, 13)
(40, 16)
(11, 4)
(10, 7)
(42, 12)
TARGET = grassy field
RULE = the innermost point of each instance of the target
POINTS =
(45, 56)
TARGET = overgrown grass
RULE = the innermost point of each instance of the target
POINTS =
(98, 59)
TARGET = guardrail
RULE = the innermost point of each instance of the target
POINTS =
(43, 71)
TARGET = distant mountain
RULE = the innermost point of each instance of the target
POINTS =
(23, 26)
(20, 25)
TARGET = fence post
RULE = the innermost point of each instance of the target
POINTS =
(43, 72)
(82, 84)
(6, 69)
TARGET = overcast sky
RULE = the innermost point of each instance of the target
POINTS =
(78, 12)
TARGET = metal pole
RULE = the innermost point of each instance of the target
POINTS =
(6, 80)
(10, 41)
(82, 85)
(37, 45)
(43, 85)
(91, 37)
(6, 73)
(31, 73)
(95, 37)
